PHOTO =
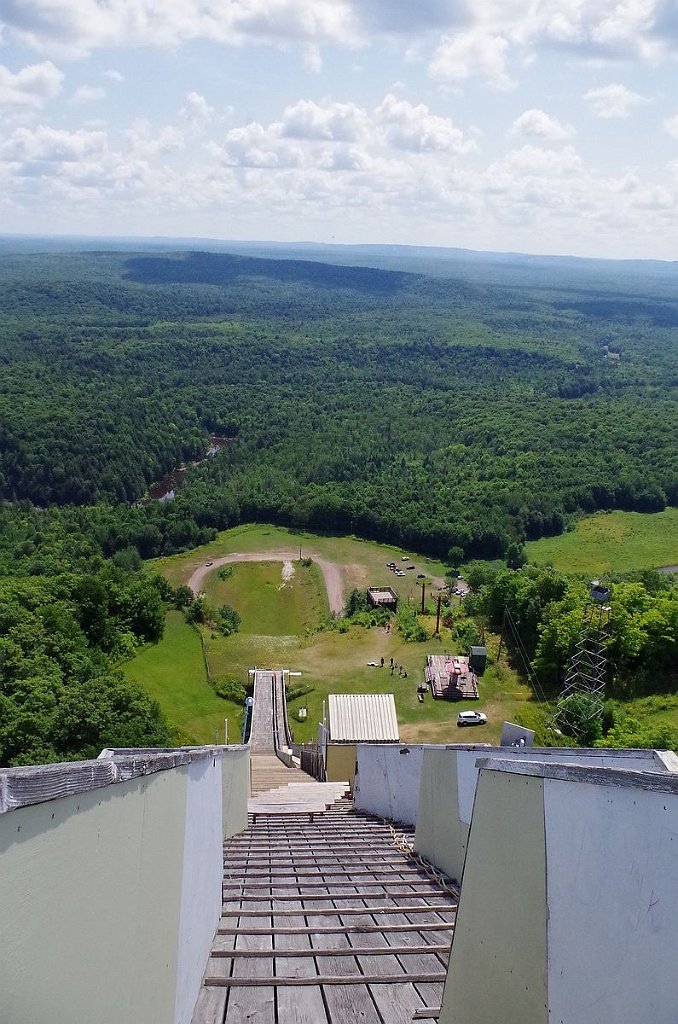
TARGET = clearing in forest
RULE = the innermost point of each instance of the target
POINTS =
(279, 629)
(612, 542)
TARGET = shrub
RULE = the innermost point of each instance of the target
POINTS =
(229, 620)
(409, 625)
(230, 689)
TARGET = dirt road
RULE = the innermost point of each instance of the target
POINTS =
(330, 570)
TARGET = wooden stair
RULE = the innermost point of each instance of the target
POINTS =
(268, 772)
(325, 922)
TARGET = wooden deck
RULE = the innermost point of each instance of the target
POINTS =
(448, 684)
(327, 921)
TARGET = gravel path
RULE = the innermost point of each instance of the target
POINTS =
(330, 570)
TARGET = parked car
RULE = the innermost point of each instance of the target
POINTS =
(410, 566)
(207, 564)
(471, 718)
(399, 572)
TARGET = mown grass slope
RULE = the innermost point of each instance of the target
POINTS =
(612, 542)
(173, 672)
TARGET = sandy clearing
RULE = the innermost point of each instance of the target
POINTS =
(330, 570)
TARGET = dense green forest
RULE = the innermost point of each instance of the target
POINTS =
(450, 415)
(441, 413)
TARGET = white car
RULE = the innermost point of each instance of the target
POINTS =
(471, 718)
(207, 564)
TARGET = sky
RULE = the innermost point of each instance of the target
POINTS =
(540, 126)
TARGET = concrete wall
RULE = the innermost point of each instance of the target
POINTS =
(235, 786)
(387, 782)
(110, 895)
(448, 785)
(569, 904)
(501, 926)
(340, 762)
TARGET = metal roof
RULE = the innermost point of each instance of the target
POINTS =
(362, 717)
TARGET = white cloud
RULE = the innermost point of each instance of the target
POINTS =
(52, 145)
(474, 36)
(254, 145)
(88, 94)
(196, 111)
(670, 126)
(414, 128)
(613, 101)
(76, 27)
(32, 87)
(313, 61)
(336, 122)
(538, 123)
(462, 56)
(114, 76)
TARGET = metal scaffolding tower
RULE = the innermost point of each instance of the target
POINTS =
(587, 667)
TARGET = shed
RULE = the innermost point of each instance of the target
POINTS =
(478, 659)
(356, 718)
(383, 597)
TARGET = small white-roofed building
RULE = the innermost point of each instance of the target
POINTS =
(353, 718)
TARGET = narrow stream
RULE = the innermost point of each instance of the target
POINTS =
(165, 489)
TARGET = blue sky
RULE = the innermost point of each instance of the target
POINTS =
(546, 126)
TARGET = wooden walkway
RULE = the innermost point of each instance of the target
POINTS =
(327, 921)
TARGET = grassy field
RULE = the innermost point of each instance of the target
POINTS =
(363, 562)
(173, 672)
(269, 603)
(333, 662)
(280, 629)
(612, 542)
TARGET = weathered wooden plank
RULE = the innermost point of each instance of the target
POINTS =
(431, 993)
(396, 1005)
(306, 951)
(246, 898)
(339, 870)
(342, 928)
(394, 908)
(424, 883)
(297, 1006)
(211, 1006)
(320, 979)
(252, 996)
(350, 1003)
(427, 1013)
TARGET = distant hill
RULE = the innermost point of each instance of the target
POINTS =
(650, 277)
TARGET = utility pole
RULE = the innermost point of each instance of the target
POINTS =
(438, 615)
(423, 596)
(501, 635)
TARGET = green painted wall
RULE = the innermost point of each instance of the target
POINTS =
(90, 897)
(341, 762)
(497, 970)
(440, 836)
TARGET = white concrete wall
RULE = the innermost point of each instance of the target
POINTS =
(236, 785)
(569, 899)
(612, 890)
(387, 782)
(448, 785)
(202, 878)
(110, 896)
